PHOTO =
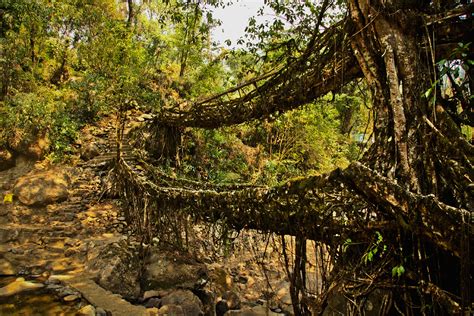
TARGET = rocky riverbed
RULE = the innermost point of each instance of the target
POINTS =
(60, 234)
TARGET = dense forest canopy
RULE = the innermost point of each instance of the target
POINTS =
(369, 102)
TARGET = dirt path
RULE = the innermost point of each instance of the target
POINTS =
(55, 239)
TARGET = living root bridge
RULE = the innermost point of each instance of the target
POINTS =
(324, 208)
(327, 64)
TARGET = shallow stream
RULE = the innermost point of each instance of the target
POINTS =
(35, 302)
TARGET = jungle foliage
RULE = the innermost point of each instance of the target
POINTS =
(66, 63)
(386, 83)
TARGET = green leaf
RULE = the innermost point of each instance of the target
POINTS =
(428, 92)
(346, 244)
(398, 271)
(370, 256)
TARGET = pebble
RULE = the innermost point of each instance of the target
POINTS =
(69, 242)
(70, 217)
(71, 298)
(261, 301)
(52, 280)
(66, 292)
(17, 251)
(70, 252)
(87, 310)
(242, 279)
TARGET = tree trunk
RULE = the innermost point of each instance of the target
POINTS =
(164, 143)
(131, 13)
(417, 143)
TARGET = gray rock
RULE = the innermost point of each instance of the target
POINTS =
(116, 269)
(189, 302)
(66, 291)
(99, 311)
(54, 286)
(153, 302)
(166, 271)
(42, 188)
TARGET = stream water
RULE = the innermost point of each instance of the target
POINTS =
(36, 302)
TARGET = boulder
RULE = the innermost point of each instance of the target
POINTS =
(116, 267)
(87, 310)
(89, 150)
(373, 304)
(232, 300)
(220, 281)
(154, 293)
(171, 310)
(208, 300)
(254, 311)
(39, 147)
(35, 147)
(43, 187)
(190, 303)
(6, 159)
(167, 271)
(153, 302)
